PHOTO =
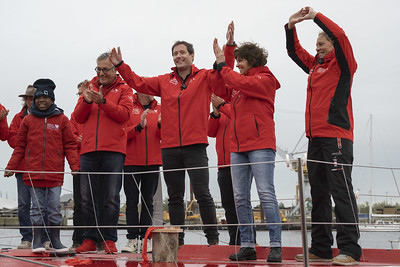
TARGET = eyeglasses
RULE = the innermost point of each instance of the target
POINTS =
(105, 70)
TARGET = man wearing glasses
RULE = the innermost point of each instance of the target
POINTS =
(104, 109)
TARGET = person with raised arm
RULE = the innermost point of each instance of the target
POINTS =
(252, 95)
(185, 95)
(4, 131)
(104, 110)
(329, 128)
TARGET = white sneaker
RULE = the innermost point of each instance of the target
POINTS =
(133, 246)
(25, 245)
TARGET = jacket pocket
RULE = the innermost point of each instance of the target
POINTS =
(255, 121)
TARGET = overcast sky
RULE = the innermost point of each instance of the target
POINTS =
(61, 40)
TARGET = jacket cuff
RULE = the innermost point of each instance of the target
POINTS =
(213, 115)
(119, 64)
(220, 66)
(139, 128)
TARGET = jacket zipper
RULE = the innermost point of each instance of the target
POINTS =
(223, 141)
(179, 118)
(255, 120)
(234, 124)
(309, 104)
(44, 145)
(97, 128)
(147, 151)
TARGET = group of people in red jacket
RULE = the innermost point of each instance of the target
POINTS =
(122, 133)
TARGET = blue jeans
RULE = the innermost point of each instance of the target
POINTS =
(46, 200)
(101, 161)
(24, 208)
(264, 177)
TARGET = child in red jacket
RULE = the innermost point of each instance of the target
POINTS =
(44, 139)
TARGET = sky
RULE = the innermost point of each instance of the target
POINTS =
(61, 40)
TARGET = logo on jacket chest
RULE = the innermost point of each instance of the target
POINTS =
(136, 110)
(53, 126)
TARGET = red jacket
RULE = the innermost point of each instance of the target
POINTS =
(77, 130)
(184, 111)
(104, 126)
(3, 127)
(143, 147)
(14, 127)
(252, 98)
(44, 143)
(221, 128)
(329, 111)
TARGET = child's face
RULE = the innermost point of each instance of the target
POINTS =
(43, 103)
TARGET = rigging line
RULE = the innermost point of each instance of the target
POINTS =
(40, 210)
(298, 142)
(94, 210)
(26, 260)
(394, 178)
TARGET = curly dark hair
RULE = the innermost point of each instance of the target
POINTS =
(253, 53)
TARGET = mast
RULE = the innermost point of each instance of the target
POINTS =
(370, 170)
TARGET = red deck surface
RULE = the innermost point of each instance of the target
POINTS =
(193, 255)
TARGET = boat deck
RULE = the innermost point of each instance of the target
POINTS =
(188, 255)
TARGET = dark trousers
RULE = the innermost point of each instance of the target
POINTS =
(148, 183)
(189, 157)
(332, 180)
(77, 236)
(228, 203)
(95, 187)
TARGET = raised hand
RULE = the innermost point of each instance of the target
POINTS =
(3, 114)
(216, 100)
(218, 52)
(296, 18)
(85, 92)
(308, 12)
(143, 120)
(230, 34)
(115, 56)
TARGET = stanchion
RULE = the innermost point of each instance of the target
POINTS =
(302, 213)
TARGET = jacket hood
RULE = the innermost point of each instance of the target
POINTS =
(265, 70)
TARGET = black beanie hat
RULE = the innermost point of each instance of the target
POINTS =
(44, 87)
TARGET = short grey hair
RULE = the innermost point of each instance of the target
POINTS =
(103, 56)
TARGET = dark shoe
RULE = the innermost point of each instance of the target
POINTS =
(244, 254)
(56, 241)
(275, 255)
(37, 244)
(212, 242)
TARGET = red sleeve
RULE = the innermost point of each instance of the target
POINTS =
(212, 127)
(229, 58)
(69, 144)
(82, 110)
(3, 127)
(260, 85)
(13, 130)
(143, 85)
(296, 52)
(20, 146)
(120, 111)
(75, 130)
(343, 49)
(226, 110)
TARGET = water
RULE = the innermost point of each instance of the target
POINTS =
(291, 238)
